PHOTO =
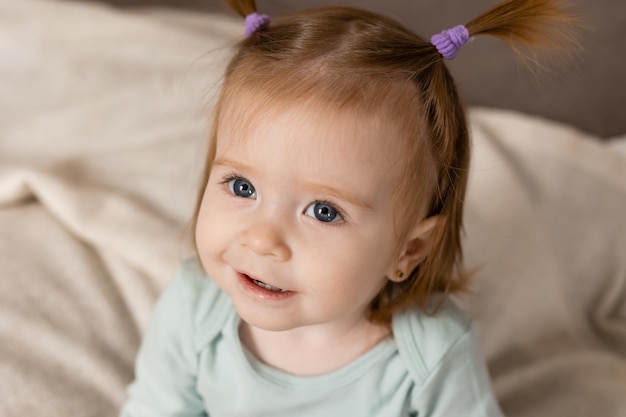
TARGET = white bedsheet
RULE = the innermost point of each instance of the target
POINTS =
(103, 120)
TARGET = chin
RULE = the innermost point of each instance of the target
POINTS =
(267, 321)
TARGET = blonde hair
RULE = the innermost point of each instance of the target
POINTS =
(355, 59)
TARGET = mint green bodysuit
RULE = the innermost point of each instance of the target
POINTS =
(192, 363)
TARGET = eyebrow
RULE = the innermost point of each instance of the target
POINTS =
(313, 187)
(344, 195)
(223, 162)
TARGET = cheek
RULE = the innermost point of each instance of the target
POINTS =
(202, 232)
(208, 229)
(366, 257)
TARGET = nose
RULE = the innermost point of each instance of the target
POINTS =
(265, 238)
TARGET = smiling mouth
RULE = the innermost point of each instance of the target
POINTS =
(264, 285)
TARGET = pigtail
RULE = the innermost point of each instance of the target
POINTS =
(254, 21)
(243, 7)
(529, 26)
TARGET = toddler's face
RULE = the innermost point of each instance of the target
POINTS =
(296, 223)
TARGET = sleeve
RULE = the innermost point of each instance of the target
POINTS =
(459, 386)
(166, 365)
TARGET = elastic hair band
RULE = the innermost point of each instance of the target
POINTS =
(450, 41)
(254, 22)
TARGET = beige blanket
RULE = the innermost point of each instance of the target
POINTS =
(103, 120)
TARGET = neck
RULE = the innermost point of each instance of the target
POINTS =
(311, 350)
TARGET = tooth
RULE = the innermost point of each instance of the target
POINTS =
(267, 286)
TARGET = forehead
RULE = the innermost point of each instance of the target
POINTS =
(310, 135)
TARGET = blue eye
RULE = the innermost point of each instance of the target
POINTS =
(323, 212)
(242, 188)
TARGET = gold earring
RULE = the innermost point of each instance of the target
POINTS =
(399, 274)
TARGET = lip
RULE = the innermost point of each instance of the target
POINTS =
(246, 283)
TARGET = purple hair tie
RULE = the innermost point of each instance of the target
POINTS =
(450, 41)
(254, 22)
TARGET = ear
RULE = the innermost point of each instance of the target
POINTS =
(417, 246)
